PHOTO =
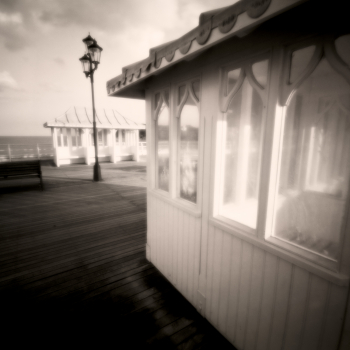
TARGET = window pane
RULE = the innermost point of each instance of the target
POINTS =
(232, 78)
(79, 137)
(314, 169)
(342, 45)
(196, 88)
(72, 134)
(166, 97)
(105, 137)
(162, 135)
(182, 90)
(100, 137)
(65, 141)
(157, 97)
(239, 198)
(260, 72)
(300, 59)
(59, 132)
(188, 152)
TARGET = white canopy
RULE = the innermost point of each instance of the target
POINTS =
(81, 117)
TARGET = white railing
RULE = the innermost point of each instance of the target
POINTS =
(9, 153)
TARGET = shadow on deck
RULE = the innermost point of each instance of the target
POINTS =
(73, 269)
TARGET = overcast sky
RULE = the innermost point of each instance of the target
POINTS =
(40, 46)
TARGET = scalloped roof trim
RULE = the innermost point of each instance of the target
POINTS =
(223, 18)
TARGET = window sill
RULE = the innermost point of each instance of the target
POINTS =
(176, 202)
(269, 246)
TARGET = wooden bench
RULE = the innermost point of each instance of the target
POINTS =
(21, 169)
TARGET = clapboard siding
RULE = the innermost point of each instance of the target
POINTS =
(174, 240)
(261, 302)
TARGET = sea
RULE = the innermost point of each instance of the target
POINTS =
(25, 140)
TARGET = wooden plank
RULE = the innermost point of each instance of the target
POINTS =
(225, 283)
(176, 248)
(197, 256)
(185, 252)
(172, 233)
(217, 265)
(267, 302)
(191, 277)
(315, 310)
(280, 308)
(336, 297)
(256, 287)
(210, 272)
(297, 305)
(180, 251)
(235, 276)
(244, 294)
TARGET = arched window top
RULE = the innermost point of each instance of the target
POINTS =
(189, 94)
(342, 46)
(304, 58)
(161, 101)
(255, 71)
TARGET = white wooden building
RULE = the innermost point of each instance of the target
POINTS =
(73, 141)
(248, 126)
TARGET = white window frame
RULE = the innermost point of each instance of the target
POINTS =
(172, 196)
(62, 135)
(77, 137)
(224, 101)
(324, 48)
(279, 93)
(178, 106)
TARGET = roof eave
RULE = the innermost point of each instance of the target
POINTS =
(222, 25)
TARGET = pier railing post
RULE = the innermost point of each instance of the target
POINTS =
(9, 152)
(38, 150)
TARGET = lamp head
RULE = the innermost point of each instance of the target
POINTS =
(88, 41)
(95, 52)
(86, 63)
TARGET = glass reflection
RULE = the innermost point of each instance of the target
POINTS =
(299, 62)
(188, 152)
(162, 135)
(232, 78)
(259, 70)
(243, 139)
(315, 164)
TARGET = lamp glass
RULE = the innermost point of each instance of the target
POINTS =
(95, 53)
(86, 64)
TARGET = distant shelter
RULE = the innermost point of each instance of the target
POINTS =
(73, 141)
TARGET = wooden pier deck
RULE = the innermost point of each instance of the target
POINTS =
(73, 269)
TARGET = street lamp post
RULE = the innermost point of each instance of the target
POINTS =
(90, 62)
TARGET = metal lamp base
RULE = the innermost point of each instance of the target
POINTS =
(97, 172)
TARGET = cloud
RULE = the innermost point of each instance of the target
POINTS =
(59, 61)
(13, 31)
(52, 87)
(7, 81)
(23, 20)
(10, 18)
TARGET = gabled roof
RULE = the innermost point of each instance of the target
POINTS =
(214, 27)
(81, 117)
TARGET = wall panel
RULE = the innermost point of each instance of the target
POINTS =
(257, 300)
(174, 237)
(262, 302)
